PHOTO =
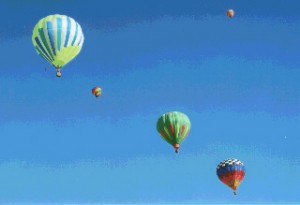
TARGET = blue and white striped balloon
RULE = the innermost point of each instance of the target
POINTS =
(58, 39)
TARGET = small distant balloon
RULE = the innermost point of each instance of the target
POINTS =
(97, 91)
(230, 13)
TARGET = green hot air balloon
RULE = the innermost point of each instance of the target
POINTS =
(174, 128)
(58, 39)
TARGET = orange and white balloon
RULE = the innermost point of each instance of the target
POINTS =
(230, 13)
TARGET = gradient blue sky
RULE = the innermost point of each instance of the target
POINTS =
(237, 80)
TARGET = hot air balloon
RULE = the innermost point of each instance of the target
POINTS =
(230, 13)
(97, 91)
(174, 127)
(58, 39)
(231, 172)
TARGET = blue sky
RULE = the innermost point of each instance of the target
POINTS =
(237, 80)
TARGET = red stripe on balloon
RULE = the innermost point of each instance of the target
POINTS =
(163, 134)
(183, 128)
(172, 129)
(232, 176)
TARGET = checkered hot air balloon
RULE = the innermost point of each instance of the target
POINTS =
(231, 172)
(174, 127)
(97, 91)
(58, 39)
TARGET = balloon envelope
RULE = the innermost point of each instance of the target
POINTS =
(58, 39)
(231, 172)
(97, 91)
(230, 13)
(174, 127)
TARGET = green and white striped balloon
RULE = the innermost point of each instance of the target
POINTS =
(174, 127)
(58, 39)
